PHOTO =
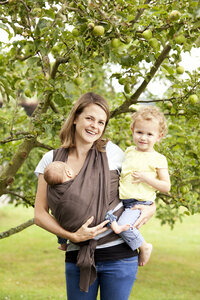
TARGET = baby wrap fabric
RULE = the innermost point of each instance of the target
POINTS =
(92, 192)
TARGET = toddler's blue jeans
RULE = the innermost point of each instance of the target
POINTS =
(132, 236)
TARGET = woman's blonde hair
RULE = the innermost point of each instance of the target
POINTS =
(150, 113)
(67, 133)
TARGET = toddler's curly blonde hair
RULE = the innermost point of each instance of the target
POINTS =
(148, 112)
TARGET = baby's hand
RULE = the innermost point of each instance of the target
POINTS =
(139, 177)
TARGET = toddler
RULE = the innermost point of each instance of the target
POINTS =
(144, 171)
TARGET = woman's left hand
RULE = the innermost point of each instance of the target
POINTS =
(85, 232)
(147, 211)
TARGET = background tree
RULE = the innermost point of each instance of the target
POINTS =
(61, 49)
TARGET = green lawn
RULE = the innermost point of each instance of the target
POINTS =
(173, 272)
(31, 267)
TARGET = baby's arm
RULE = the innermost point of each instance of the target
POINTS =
(162, 183)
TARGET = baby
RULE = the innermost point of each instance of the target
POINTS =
(58, 172)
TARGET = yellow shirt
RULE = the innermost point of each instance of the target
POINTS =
(142, 162)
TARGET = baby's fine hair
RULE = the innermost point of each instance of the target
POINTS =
(148, 112)
(53, 173)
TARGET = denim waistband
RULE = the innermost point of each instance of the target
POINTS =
(128, 203)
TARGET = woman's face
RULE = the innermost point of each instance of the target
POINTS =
(90, 124)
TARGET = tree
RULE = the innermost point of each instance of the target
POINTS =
(62, 49)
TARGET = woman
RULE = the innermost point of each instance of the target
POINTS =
(96, 256)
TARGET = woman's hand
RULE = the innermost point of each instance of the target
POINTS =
(147, 211)
(85, 233)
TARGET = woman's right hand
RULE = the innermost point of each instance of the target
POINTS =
(147, 211)
(85, 233)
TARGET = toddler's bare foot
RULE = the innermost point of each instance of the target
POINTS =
(144, 254)
(119, 228)
(63, 247)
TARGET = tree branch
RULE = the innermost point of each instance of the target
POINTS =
(158, 100)
(60, 60)
(23, 58)
(41, 107)
(53, 107)
(7, 173)
(133, 99)
(12, 138)
(140, 12)
(17, 229)
(4, 2)
(26, 7)
(10, 192)
(41, 145)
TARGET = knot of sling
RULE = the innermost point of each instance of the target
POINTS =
(86, 263)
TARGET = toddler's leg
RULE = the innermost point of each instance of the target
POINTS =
(63, 247)
(63, 244)
(132, 236)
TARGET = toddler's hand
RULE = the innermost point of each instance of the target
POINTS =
(139, 177)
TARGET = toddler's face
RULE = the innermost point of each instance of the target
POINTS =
(145, 134)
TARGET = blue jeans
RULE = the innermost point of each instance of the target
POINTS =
(114, 278)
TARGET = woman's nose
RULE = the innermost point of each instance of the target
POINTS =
(94, 124)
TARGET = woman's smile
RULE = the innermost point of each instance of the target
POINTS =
(90, 132)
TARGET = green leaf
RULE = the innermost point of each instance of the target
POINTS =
(33, 60)
(59, 99)
(5, 28)
(170, 70)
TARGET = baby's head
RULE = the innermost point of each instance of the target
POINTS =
(55, 172)
(151, 114)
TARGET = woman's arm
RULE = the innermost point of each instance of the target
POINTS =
(43, 219)
(147, 211)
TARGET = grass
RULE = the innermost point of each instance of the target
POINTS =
(173, 271)
(31, 267)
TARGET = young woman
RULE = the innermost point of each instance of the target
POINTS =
(96, 257)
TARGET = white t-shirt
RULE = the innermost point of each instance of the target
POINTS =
(114, 154)
(115, 157)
